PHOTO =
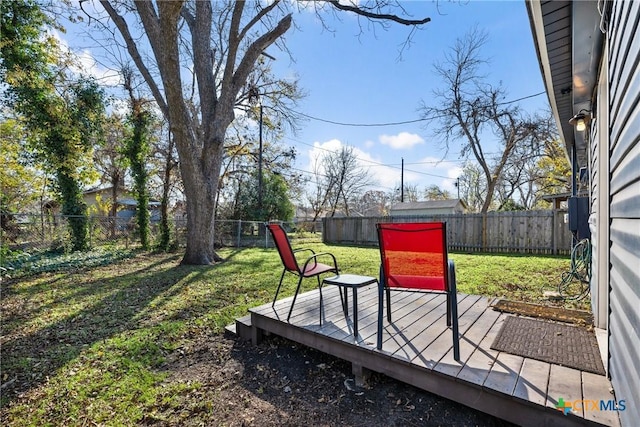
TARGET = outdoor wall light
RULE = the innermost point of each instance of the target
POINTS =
(580, 120)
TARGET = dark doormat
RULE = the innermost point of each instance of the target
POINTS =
(562, 344)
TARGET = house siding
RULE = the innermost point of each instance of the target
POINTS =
(624, 251)
(599, 192)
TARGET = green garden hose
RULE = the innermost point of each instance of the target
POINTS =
(580, 271)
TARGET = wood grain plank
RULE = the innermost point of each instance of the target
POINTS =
(504, 373)
(533, 382)
(427, 351)
(420, 306)
(477, 368)
(597, 388)
(406, 344)
(564, 383)
(424, 311)
(368, 319)
(477, 341)
(304, 312)
(336, 326)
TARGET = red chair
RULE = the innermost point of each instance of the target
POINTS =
(414, 258)
(310, 268)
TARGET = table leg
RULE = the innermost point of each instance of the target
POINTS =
(355, 311)
(345, 306)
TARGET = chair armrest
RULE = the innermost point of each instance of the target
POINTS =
(304, 250)
(315, 256)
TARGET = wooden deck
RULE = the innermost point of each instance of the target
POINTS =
(417, 349)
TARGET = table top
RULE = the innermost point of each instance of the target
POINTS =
(351, 280)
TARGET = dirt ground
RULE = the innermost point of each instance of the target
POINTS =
(282, 383)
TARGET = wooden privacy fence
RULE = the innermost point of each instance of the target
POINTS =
(543, 231)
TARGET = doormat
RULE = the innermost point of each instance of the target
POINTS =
(562, 344)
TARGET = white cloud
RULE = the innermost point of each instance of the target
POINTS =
(402, 140)
(434, 170)
(320, 149)
(86, 64)
(384, 177)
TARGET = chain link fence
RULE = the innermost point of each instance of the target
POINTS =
(30, 232)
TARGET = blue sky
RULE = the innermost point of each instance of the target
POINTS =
(356, 75)
(360, 79)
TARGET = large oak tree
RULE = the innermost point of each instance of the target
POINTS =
(224, 40)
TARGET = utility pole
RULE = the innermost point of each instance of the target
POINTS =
(402, 182)
(260, 167)
(260, 147)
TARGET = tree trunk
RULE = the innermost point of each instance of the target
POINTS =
(201, 187)
(113, 212)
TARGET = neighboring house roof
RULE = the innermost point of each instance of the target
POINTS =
(569, 70)
(133, 202)
(429, 204)
(98, 190)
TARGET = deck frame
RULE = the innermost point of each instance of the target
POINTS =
(417, 350)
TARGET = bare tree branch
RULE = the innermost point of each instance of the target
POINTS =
(377, 16)
(132, 48)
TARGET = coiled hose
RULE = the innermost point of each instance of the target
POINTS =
(580, 271)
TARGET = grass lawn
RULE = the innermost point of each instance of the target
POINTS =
(86, 345)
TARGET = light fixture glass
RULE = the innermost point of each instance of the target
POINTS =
(580, 120)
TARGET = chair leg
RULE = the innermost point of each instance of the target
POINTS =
(294, 298)
(380, 311)
(278, 290)
(454, 311)
(388, 305)
(320, 290)
(448, 308)
(454, 329)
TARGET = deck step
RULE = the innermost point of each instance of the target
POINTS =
(241, 327)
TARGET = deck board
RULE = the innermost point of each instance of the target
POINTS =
(533, 382)
(504, 373)
(565, 383)
(482, 358)
(440, 351)
(418, 349)
(596, 388)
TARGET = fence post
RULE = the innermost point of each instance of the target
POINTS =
(484, 231)
(239, 233)
(554, 233)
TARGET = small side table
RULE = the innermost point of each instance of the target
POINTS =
(347, 281)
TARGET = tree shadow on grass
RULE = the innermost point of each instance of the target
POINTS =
(28, 358)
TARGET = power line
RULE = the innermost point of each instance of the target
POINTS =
(326, 176)
(374, 163)
(403, 122)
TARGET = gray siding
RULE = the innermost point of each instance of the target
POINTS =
(599, 218)
(624, 321)
(594, 225)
